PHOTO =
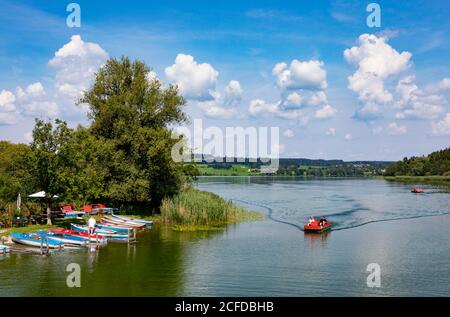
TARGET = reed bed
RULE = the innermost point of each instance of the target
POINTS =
(193, 209)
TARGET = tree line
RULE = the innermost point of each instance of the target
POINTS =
(436, 163)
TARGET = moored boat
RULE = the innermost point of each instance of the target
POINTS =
(66, 239)
(110, 235)
(123, 222)
(148, 223)
(92, 237)
(4, 249)
(117, 229)
(35, 240)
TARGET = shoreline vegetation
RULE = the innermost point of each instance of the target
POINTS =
(190, 210)
(195, 210)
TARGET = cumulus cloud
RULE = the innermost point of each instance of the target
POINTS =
(233, 93)
(301, 75)
(302, 85)
(76, 64)
(325, 112)
(415, 103)
(214, 110)
(395, 129)
(258, 106)
(196, 81)
(441, 127)
(33, 102)
(441, 86)
(376, 61)
(7, 101)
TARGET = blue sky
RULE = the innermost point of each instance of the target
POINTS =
(384, 99)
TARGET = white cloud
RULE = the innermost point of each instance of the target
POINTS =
(212, 109)
(258, 106)
(317, 98)
(331, 132)
(7, 101)
(293, 100)
(325, 112)
(416, 103)
(376, 61)
(395, 129)
(32, 101)
(442, 85)
(442, 127)
(8, 118)
(233, 93)
(301, 75)
(348, 136)
(196, 81)
(76, 64)
(288, 133)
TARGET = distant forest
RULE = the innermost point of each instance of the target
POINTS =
(436, 163)
(307, 167)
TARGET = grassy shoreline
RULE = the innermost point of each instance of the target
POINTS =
(433, 180)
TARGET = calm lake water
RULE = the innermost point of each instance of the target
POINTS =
(407, 234)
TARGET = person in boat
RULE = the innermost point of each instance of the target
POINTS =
(91, 225)
(322, 221)
(311, 220)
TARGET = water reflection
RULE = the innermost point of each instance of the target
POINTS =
(313, 240)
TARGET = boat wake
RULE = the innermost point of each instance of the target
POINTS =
(341, 225)
(270, 213)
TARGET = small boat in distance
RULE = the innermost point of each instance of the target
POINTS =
(317, 226)
(417, 190)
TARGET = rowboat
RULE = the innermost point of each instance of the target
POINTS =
(66, 239)
(4, 249)
(35, 240)
(117, 229)
(84, 235)
(110, 235)
(148, 223)
(81, 228)
(113, 222)
(124, 223)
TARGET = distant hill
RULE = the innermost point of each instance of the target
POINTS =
(434, 164)
(291, 166)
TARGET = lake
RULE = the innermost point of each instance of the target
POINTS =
(376, 221)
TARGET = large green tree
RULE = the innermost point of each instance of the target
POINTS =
(52, 161)
(132, 115)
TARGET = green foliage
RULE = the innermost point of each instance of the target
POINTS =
(131, 115)
(14, 169)
(437, 163)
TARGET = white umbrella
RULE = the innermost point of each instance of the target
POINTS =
(19, 201)
(39, 195)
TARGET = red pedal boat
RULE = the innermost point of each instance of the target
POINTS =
(315, 226)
